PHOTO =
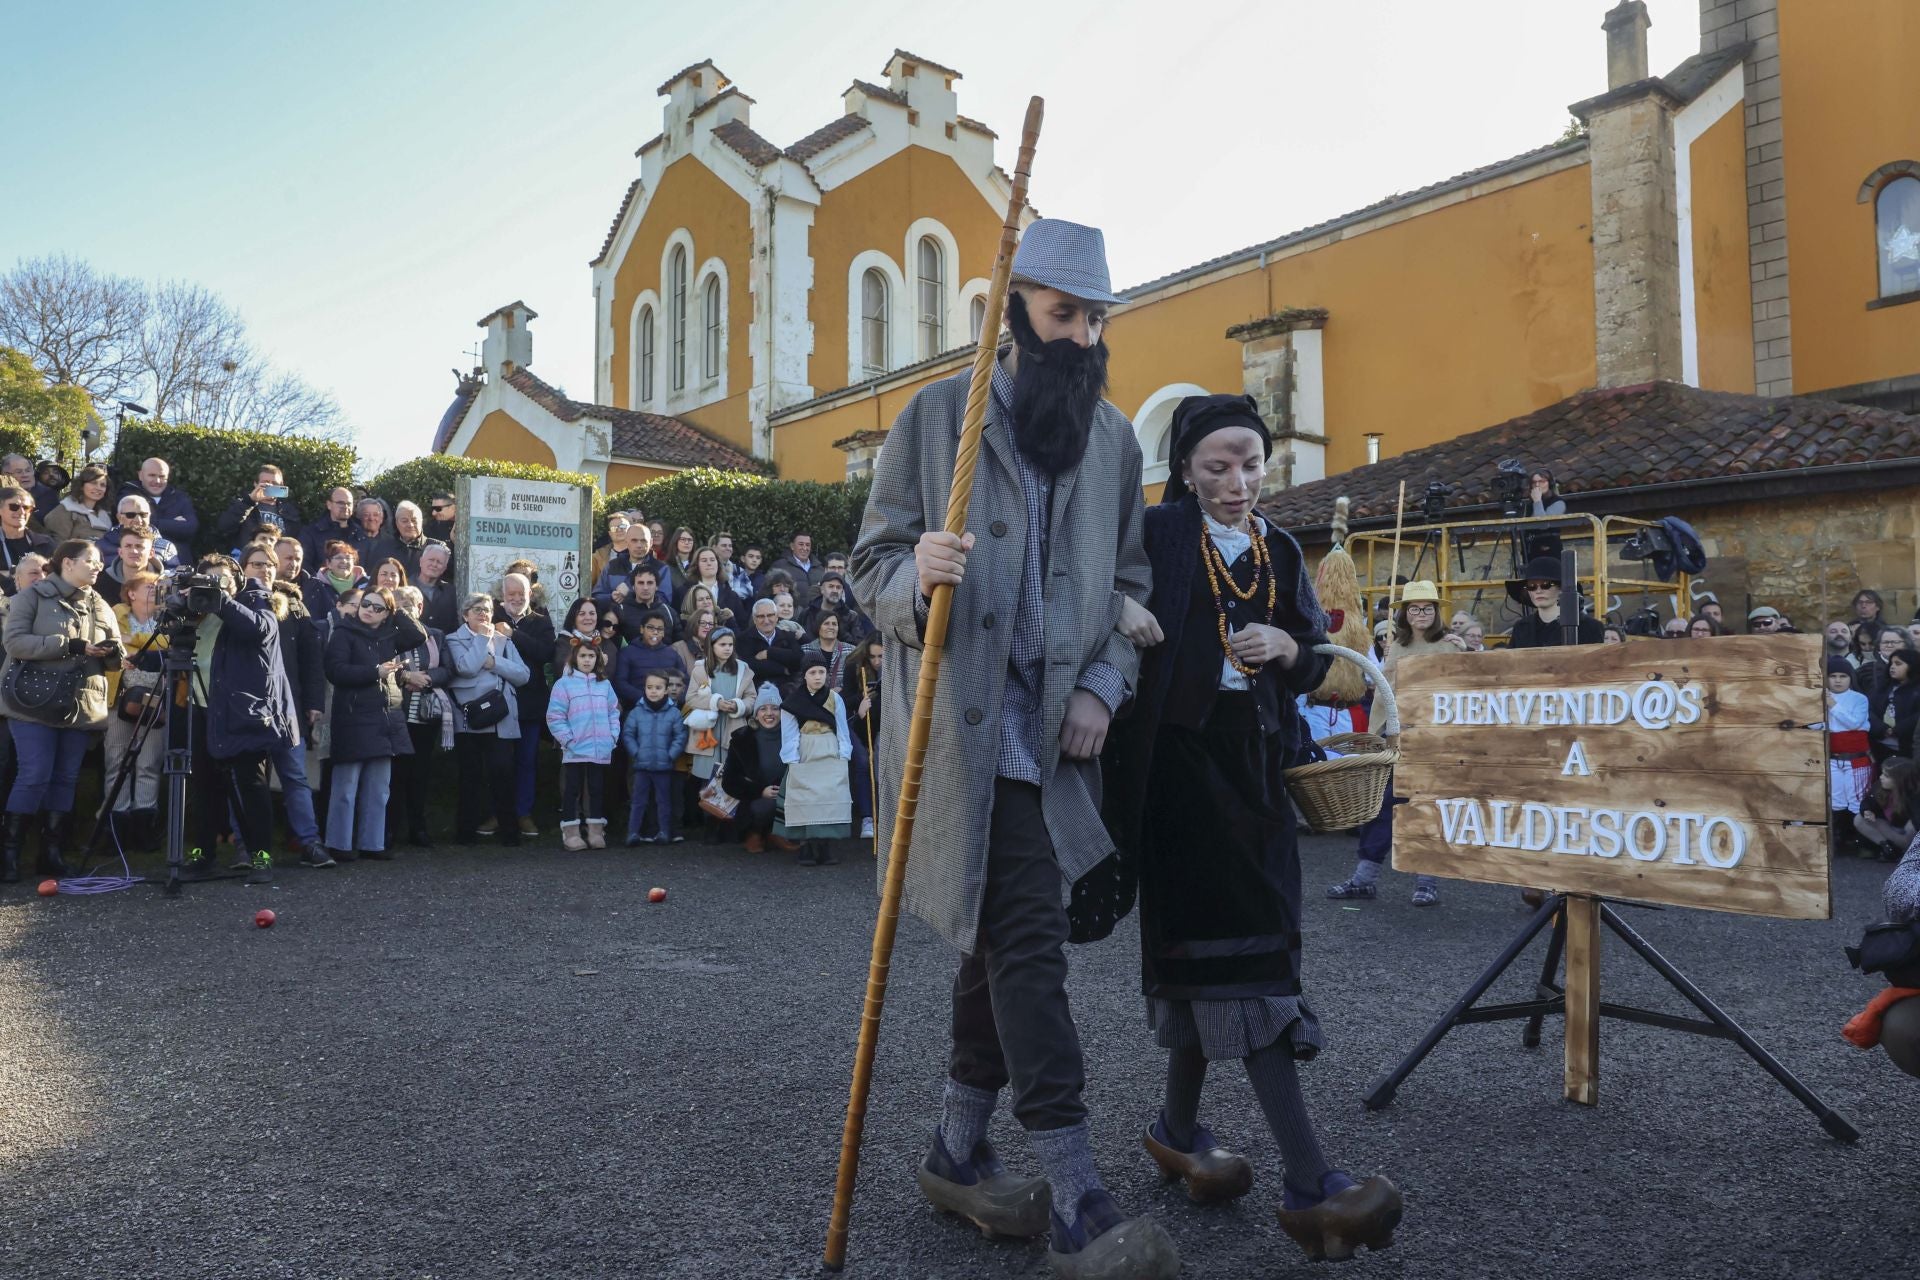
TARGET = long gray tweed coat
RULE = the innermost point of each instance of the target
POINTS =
(1096, 555)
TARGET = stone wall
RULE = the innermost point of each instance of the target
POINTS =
(1807, 556)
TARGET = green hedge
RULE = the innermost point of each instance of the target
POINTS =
(420, 478)
(217, 466)
(753, 508)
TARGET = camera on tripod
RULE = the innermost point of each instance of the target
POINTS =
(191, 596)
(1510, 489)
(1643, 622)
(1646, 543)
(1434, 506)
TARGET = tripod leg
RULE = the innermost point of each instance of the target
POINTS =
(1548, 972)
(1830, 1120)
(1382, 1092)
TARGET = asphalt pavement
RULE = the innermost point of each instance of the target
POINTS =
(474, 1063)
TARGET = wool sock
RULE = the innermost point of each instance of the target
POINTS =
(1067, 1156)
(1365, 872)
(964, 1113)
(1186, 1074)
(1276, 1083)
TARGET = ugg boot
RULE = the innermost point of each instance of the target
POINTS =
(53, 838)
(596, 833)
(13, 833)
(570, 837)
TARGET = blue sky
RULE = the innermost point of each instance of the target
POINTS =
(364, 181)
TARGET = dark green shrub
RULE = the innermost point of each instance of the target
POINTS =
(421, 478)
(216, 466)
(753, 508)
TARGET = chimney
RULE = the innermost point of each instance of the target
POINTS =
(509, 343)
(1636, 241)
(1626, 27)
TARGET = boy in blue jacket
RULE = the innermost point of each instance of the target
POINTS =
(654, 737)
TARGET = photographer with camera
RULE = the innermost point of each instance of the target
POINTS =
(61, 640)
(1544, 494)
(236, 641)
(263, 509)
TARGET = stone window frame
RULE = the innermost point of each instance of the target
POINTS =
(1873, 191)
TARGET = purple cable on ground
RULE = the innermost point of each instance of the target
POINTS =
(105, 884)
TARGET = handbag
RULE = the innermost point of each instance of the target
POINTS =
(715, 800)
(485, 711)
(44, 692)
(132, 703)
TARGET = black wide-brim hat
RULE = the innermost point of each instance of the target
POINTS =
(1539, 568)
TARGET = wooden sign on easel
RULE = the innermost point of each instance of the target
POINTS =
(1688, 773)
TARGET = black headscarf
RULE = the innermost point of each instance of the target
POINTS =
(1196, 418)
(1056, 388)
(802, 703)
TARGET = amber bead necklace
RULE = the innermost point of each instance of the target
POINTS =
(1219, 571)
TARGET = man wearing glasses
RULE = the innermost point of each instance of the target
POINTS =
(1764, 621)
(337, 525)
(132, 511)
(440, 517)
(16, 539)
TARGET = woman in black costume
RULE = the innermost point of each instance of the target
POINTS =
(1199, 808)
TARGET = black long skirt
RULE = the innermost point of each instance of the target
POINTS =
(1220, 890)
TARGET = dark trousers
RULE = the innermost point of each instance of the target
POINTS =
(578, 783)
(652, 788)
(234, 788)
(754, 817)
(1010, 1015)
(860, 777)
(407, 803)
(485, 764)
(1376, 833)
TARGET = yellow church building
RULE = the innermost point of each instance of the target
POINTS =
(1748, 221)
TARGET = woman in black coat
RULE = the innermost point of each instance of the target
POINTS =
(1198, 803)
(753, 772)
(533, 639)
(425, 672)
(369, 726)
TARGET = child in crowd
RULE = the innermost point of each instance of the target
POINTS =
(815, 803)
(1849, 761)
(583, 715)
(654, 737)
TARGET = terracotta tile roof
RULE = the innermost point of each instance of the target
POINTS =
(641, 437)
(683, 72)
(925, 62)
(967, 123)
(884, 95)
(613, 228)
(825, 136)
(463, 397)
(1623, 438)
(750, 146)
(721, 97)
(1524, 160)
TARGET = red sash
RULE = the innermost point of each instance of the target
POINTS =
(1848, 743)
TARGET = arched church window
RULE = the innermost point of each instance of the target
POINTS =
(1897, 231)
(976, 318)
(677, 272)
(710, 313)
(875, 335)
(646, 355)
(933, 298)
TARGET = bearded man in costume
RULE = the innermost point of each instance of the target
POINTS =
(1009, 813)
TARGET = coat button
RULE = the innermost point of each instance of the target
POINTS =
(998, 528)
(974, 716)
(987, 622)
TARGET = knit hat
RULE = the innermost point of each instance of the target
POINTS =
(768, 696)
(1839, 667)
(1764, 611)
(811, 658)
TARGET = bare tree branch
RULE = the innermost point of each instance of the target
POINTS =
(79, 326)
(190, 344)
(255, 396)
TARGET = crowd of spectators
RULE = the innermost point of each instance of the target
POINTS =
(693, 685)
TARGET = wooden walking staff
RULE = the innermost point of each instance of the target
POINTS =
(959, 498)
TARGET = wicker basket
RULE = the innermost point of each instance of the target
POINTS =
(1338, 795)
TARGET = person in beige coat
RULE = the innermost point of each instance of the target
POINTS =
(722, 684)
(85, 512)
(61, 640)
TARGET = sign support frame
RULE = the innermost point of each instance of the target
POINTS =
(1576, 919)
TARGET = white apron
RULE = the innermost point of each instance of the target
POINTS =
(815, 791)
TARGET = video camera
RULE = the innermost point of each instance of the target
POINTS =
(1646, 543)
(1510, 489)
(1643, 622)
(190, 595)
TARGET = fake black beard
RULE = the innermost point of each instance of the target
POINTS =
(1056, 388)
